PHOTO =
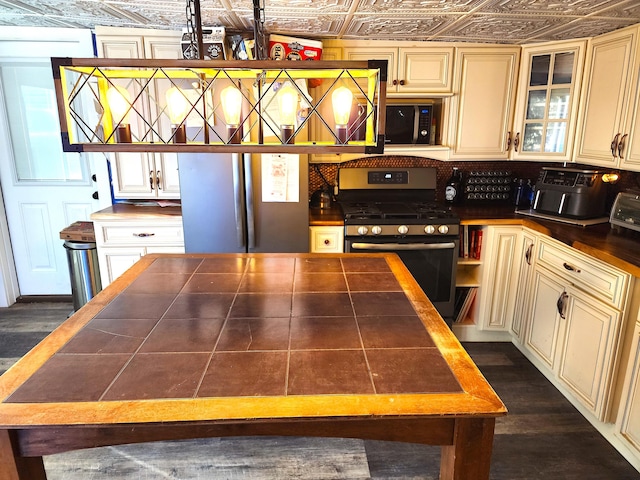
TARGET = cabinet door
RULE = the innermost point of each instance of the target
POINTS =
(606, 97)
(547, 105)
(133, 175)
(629, 146)
(544, 318)
(499, 280)
(115, 261)
(167, 181)
(628, 423)
(423, 70)
(377, 53)
(525, 257)
(326, 239)
(590, 339)
(483, 107)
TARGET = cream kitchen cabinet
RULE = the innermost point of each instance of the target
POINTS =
(482, 106)
(574, 324)
(547, 101)
(326, 239)
(411, 69)
(498, 286)
(143, 175)
(526, 258)
(608, 136)
(628, 422)
(121, 243)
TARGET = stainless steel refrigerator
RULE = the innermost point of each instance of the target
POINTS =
(228, 205)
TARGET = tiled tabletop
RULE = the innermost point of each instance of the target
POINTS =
(251, 326)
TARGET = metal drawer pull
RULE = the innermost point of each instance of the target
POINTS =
(527, 254)
(570, 267)
(158, 180)
(561, 304)
(614, 145)
(142, 235)
(151, 180)
(516, 142)
(621, 146)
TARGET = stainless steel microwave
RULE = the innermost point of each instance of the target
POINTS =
(409, 124)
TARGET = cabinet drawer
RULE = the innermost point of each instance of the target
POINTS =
(142, 234)
(590, 274)
(326, 239)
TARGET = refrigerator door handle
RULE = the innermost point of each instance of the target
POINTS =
(248, 182)
(238, 200)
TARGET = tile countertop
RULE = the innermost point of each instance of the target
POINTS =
(620, 249)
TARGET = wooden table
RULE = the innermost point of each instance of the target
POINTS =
(194, 346)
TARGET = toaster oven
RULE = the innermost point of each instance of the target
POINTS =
(625, 212)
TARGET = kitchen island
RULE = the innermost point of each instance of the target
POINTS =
(190, 346)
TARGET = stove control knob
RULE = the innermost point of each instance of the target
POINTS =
(443, 229)
(377, 230)
(403, 229)
(363, 230)
(429, 229)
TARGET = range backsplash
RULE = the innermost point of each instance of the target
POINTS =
(525, 170)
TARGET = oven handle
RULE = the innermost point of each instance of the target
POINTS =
(403, 246)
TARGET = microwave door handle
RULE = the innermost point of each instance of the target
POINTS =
(403, 246)
(535, 202)
(416, 123)
(562, 200)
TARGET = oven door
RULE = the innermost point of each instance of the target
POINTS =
(431, 261)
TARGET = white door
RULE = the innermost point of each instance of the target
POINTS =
(44, 189)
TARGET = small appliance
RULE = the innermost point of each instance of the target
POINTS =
(625, 212)
(409, 124)
(394, 210)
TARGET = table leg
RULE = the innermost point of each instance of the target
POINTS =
(469, 458)
(15, 467)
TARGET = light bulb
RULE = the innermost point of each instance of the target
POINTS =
(119, 102)
(231, 100)
(177, 105)
(341, 98)
(177, 109)
(288, 105)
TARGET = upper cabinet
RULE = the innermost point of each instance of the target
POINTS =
(483, 102)
(143, 175)
(412, 69)
(608, 136)
(547, 105)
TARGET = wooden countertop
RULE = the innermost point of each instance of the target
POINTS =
(618, 248)
(125, 211)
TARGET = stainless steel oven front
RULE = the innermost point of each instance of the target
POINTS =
(431, 260)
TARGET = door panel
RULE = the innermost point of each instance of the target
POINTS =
(44, 189)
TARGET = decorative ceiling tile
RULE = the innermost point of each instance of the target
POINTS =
(484, 28)
(387, 28)
(428, 6)
(494, 21)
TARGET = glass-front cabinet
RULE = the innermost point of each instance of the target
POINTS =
(546, 110)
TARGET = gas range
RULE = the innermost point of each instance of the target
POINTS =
(379, 202)
(394, 210)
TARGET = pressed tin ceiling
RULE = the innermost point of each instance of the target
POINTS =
(485, 21)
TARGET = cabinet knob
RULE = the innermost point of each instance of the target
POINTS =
(327, 241)
(395, 82)
(402, 82)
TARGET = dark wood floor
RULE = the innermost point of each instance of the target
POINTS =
(543, 437)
